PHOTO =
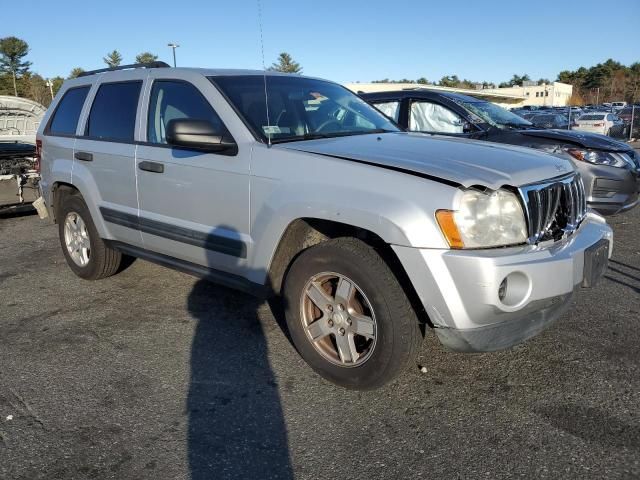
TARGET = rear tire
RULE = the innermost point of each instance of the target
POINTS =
(376, 323)
(86, 253)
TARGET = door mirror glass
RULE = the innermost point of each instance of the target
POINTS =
(198, 134)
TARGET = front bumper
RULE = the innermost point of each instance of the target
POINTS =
(459, 288)
(609, 190)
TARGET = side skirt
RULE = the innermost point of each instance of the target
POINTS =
(216, 276)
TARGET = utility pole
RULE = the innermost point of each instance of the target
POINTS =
(50, 85)
(173, 46)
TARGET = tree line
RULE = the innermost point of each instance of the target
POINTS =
(454, 81)
(17, 78)
(607, 81)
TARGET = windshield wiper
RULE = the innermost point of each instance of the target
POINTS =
(518, 126)
(315, 136)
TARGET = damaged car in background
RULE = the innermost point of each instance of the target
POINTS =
(610, 169)
(19, 164)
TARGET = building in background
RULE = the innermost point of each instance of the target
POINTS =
(554, 94)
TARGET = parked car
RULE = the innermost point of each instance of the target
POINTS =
(631, 117)
(610, 169)
(627, 113)
(618, 105)
(19, 120)
(297, 187)
(603, 123)
(550, 120)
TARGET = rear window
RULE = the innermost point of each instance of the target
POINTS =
(65, 118)
(591, 117)
(113, 113)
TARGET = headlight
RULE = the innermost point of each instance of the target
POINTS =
(597, 157)
(484, 219)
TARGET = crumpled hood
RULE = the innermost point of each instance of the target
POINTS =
(460, 161)
(584, 139)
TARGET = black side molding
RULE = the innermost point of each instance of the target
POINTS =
(216, 276)
(209, 241)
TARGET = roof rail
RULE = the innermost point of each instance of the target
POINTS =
(157, 64)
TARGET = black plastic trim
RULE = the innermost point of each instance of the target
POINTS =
(156, 64)
(208, 241)
(216, 276)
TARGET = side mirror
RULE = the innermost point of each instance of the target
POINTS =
(199, 135)
(468, 127)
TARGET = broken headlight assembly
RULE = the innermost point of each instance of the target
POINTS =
(598, 157)
(484, 219)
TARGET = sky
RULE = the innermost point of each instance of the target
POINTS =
(345, 41)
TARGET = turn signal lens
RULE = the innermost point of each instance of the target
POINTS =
(449, 228)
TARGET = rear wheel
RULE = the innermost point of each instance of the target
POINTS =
(86, 253)
(348, 316)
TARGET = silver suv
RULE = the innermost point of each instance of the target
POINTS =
(295, 187)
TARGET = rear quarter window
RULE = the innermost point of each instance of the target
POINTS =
(65, 118)
(113, 113)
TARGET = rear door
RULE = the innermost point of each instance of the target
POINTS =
(105, 154)
(194, 205)
(58, 137)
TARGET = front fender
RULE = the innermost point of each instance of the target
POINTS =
(397, 207)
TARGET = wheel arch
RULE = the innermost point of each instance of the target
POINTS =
(305, 232)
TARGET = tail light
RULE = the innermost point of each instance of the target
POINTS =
(38, 155)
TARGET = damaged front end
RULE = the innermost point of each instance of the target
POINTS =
(19, 176)
(19, 161)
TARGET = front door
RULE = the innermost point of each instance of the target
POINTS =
(194, 205)
(431, 117)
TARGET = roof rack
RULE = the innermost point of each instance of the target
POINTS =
(157, 64)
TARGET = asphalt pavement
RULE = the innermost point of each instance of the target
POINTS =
(153, 374)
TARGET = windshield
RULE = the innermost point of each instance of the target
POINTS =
(494, 115)
(300, 108)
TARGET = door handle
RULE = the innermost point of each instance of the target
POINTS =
(151, 167)
(84, 156)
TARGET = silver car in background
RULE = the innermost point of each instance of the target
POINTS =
(604, 123)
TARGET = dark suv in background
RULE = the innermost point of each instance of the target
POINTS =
(610, 169)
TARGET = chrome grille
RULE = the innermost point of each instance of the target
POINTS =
(554, 208)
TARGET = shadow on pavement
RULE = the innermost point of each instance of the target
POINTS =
(236, 424)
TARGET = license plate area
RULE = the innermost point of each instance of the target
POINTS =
(596, 260)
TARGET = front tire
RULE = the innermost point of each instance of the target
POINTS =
(348, 316)
(86, 253)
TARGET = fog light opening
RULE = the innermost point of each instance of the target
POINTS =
(514, 289)
(502, 290)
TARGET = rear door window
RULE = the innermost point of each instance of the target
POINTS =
(65, 118)
(113, 113)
